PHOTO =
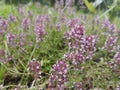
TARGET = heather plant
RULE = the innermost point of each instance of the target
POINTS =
(51, 48)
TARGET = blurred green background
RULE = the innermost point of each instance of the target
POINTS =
(113, 10)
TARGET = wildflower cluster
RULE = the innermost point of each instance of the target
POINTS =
(117, 57)
(3, 25)
(76, 58)
(74, 36)
(11, 39)
(26, 23)
(12, 18)
(82, 51)
(4, 57)
(110, 28)
(78, 40)
(59, 75)
(39, 32)
(78, 85)
(110, 43)
(35, 68)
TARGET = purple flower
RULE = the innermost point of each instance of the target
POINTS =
(112, 28)
(3, 60)
(76, 58)
(117, 57)
(71, 23)
(2, 52)
(118, 88)
(12, 18)
(75, 33)
(4, 57)
(78, 41)
(77, 85)
(21, 40)
(41, 19)
(70, 2)
(38, 20)
(58, 26)
(3, 23)
(11, 39)
(26, 23)
(88, 45)
(118, 31)
(21, 10)
(110, 43)
(106, 23)
(62, 2)
(59, 75)
(34, 66)
(39, 32)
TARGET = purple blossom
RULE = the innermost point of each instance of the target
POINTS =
(58, 5)
(21, 10)
(58, 26)
(71, 23)
(39, 20)
(12, 18)
(106, 23)
(73, 45)
(88, 45)
(26, 23)
(118, 31)
(78, 41)
(70, 2)
(110, 43)
(11, 39)
(71, 11)
(118, 88)
(21, 40)
(59, 75)
(34, 66)
(77, 85)
(3, 60)
(75, 33)
(3, 25)
(39, 32)
(97, 21)
(2, 52)
(62, 2)
(4, 57)
(112, 28)
(76, 58)
(117, 57)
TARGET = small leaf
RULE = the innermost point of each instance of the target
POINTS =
(89, 6)
(97, 3)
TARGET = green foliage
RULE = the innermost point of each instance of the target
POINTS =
(115, 12)
(2, 73)
(90, 6)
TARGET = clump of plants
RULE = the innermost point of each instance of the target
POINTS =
(58, 48)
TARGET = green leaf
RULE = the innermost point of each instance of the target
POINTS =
(97, 3)
(89, 6)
